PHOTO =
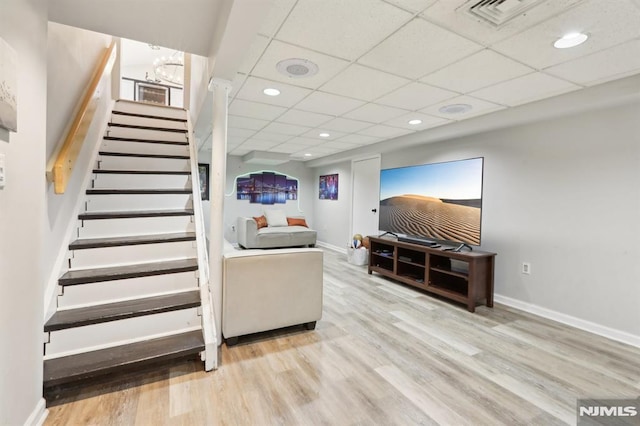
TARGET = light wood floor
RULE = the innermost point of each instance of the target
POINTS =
(382, 354)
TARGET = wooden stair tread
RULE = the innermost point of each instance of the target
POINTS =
(130, 154)
(123, 358)
(131, 240)
(86, 276)
(157, 117)
(135, 126)
(134, 214)
(142, 172)
(112, 191)
(96, 314)
(117, 138)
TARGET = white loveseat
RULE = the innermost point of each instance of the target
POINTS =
(270, 289)
(249, 236)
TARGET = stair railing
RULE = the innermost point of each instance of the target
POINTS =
(208, 318)
(62, 162)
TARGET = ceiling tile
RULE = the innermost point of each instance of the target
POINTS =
(315, 134)
(345, 125)
(255, 110)
(253, 87)
(246, 123)
(240, 133)
(232, 141)
(382, 131)
(286, 129)
(326, 25)
(254, 52)
(528, 88)
(327, 103)
(260, 145)
(276, 137)
(375, 113)
(415, 96)
(535, 45)
(479, 107)
(363, 83)
(613, 63)
(277, 14)
(358, 139)
(304, 118)
(340, 145)
(236, 84)
(408, 52)
(428, 121)
(453, 14)
(412, 5)
(289, 148)
(479, 70)
(277, 51)
(299, 140)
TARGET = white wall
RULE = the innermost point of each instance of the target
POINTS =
(23, 24)
(72, 55)
(333, 216)
(234, 207)
(562, 194)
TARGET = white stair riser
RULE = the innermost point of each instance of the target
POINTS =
(144, 148)
(108, 162)
(150, 122)
(135, 226)
(159, 135)
(132, 181)
(123, 255)
(78, 338)
(126, 202)
(140, 108)
(104, 292)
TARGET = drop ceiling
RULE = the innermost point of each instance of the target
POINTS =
(383, 63)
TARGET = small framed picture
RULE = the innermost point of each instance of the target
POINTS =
(203, 174)
(328, 187)
(152, 93)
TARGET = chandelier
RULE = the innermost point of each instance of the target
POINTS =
(170, 69)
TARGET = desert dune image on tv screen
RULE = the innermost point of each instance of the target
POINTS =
(441, 201)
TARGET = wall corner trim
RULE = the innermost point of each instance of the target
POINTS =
(591, 327)
(38, 415)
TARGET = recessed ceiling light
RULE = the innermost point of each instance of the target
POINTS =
(270, 91)
(307, 155)
(570, 40)
(415, 122)
(297, 68)
(324, 135)
(455, 109)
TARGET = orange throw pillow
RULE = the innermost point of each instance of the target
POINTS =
(261, 221)
(297, 221)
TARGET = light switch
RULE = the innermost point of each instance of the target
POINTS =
(2, 171)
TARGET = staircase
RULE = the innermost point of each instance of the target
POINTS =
(136, 291)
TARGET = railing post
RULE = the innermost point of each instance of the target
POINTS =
(218, 173)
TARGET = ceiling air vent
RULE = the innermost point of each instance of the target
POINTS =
(499, 12)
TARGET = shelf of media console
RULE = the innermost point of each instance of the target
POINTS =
(465, 277)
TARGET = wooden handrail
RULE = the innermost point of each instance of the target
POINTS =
(69, 150)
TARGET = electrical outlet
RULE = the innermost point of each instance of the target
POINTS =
(526, 268)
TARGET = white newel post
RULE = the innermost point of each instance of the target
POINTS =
(218, 170)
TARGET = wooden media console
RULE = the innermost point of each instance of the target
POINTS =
(465, 277)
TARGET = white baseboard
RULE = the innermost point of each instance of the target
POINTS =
(331, 247)
(38, 415)
(601, 330)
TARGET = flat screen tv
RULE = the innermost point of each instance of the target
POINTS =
(438, 202)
